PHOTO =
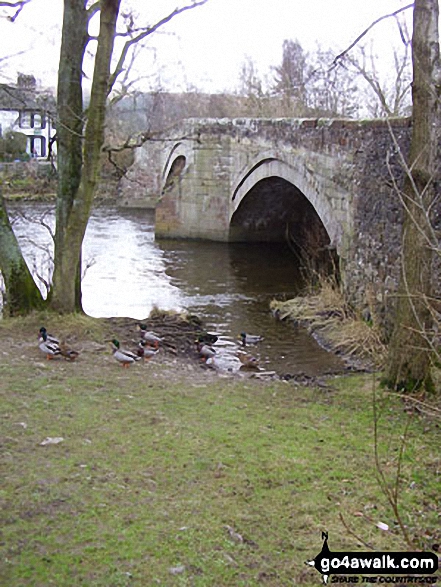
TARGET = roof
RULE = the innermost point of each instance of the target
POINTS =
(16, 98)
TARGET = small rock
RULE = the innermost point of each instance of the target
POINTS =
(177, 570)
(51, 440)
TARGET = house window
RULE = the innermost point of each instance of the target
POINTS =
(25, 119)
(38, 120)
(31, 119)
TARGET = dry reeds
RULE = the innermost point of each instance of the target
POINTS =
(334, 322)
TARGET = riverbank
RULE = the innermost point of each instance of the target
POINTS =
(36, 180)
(168, 473)
(336, 326)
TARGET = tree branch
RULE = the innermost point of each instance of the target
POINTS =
(19, 5)
(154, 136)
(364, 33)
(145, 33)
(93, 9)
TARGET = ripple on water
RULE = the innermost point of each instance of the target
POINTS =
(228, 285)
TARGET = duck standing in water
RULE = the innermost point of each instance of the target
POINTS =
(123, 356)
(248, 361)
(250, 338)
(205, 352)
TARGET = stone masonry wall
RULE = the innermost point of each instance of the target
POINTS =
(353, 165)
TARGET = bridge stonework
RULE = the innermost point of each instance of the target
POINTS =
(203, 171)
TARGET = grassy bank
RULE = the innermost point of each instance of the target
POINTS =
(169, 474)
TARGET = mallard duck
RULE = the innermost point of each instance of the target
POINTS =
(49, 337)
(146, 352)
(50, 349)
(248, 361)
(123, 356)
(205, 352)
(207, 338)
(67, 352)
(149, 337)
(250, 338)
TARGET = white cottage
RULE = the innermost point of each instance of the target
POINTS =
(23, 109)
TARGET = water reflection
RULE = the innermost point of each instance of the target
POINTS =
(127, 277)
(228, 286)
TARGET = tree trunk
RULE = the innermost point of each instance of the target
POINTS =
(79, 178)
(22, 294)
(70, 125)
(409, 352)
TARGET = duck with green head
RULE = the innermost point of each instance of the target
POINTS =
(50, 348)
(123, 356)
(207, 338)
(48, 337)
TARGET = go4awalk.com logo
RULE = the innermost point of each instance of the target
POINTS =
(375, 563)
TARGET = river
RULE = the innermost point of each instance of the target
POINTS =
(228, 285)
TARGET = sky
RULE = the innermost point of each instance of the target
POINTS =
(204, 48)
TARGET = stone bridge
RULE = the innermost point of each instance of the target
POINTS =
(322, 184)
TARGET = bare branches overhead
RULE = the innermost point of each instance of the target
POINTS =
(142, 33)
(364, 33)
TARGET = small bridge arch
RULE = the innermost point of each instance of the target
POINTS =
(178, 159)
(281, 197)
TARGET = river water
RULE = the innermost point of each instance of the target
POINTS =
(229, 286)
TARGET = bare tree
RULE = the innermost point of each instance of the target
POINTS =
(21, 292)
(410, 350)
(252, 87)
(81, 134)
(391, 97)
(290, 77)
(330, 91)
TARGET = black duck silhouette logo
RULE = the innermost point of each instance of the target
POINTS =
(323, 554)
(379, 563)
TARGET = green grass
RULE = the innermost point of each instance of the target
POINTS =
(155, 467)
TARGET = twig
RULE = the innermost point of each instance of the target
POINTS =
(148, 31)
(352, 533)
(364, 33)
(415, 401)
(391, 494)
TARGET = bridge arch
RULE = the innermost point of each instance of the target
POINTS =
(258, 193)
(176, 162)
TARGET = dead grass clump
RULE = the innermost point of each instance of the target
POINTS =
(355, 338)
(327, 315)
